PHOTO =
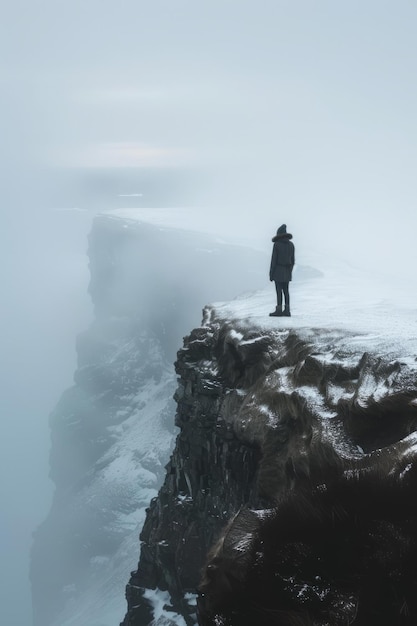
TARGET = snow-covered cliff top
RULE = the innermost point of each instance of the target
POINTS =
(378, 310)
(196, 220)
(374, 314)
(167, 217)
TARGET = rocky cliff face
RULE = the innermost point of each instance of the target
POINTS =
(263, 412)
(113, 431)
(265, 408)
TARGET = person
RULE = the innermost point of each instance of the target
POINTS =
(282, 263)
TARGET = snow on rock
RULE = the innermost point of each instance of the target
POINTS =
(373, 315)
(113, 431)
(259, 399)
(265, 404)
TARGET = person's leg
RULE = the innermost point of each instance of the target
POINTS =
(278, 287)
(278, 309)
(285, 289)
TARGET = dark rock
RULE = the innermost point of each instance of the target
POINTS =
(283, 414)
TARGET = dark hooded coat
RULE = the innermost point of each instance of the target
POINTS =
(283, 258)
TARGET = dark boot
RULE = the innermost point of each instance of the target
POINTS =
(286, 312)
(277, 312)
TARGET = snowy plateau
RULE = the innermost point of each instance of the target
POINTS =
(243, 377)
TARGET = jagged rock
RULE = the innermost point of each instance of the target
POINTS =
(264, 406)
(263, 413)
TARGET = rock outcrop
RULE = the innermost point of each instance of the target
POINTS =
(262, 412)
(113, 431)
(273, 416)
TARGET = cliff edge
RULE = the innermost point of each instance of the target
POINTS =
(268, 408)
(112, 432)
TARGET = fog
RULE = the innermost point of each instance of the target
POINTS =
(252, 113)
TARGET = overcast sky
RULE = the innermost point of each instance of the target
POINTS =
(301, 111)
(298, 111)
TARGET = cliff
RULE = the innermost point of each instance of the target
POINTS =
(112, 432)
(267, 408)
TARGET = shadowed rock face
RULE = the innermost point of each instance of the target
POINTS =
(270, 422)
(293, 471)
(113, 430)
(340, 553)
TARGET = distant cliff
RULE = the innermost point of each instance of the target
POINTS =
(262, 412)
(113, 430)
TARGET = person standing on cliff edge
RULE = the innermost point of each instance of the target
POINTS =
(282, 263)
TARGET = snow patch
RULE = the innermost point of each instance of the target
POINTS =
(160, 600)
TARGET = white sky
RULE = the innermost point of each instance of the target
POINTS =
(299, 111)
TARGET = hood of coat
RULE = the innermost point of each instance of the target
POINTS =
(281, 237)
